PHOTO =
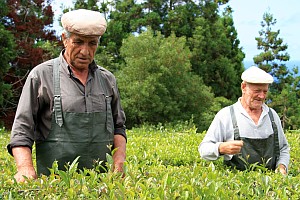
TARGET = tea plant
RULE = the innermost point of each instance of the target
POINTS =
(162, 163)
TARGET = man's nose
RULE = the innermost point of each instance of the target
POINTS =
(85, 49)
(262, 95)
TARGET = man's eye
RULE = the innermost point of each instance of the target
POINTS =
(77, 42)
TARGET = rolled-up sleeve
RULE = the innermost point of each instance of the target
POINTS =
(22, 133)
(118, 113)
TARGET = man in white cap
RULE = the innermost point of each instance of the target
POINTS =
(248, 132)
(70, 107)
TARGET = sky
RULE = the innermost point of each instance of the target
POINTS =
(247, 17)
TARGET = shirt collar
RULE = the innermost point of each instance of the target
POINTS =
(265, 108)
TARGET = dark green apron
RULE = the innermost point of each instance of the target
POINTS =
(264, 152)
(87, 135)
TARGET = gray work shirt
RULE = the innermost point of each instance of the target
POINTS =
(221, 130)
(34, 113)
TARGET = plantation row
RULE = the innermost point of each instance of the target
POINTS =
(162, 163)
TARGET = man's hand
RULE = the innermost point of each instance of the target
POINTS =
(24, 164)
(231, 147)
(282, 169)
(25, 172)
(118, 164)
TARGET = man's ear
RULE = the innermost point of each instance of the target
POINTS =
(64, 39)
(243, 86)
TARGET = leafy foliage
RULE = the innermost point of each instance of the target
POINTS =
(273, 56)
(287, 104)
(162, 163)
(157, 83)
(27, 21)
(285, 91)
(7, 53)
(215, 58)
(30, 23)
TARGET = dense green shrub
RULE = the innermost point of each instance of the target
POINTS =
(7, 53)
(162, 163)
(157, 84)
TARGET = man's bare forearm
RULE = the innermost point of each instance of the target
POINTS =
(24, 163)
(22, 157)
(119, 156)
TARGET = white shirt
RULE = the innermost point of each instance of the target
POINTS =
(221, 130)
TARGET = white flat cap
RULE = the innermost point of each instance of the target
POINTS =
(84, 22)
(256, 75)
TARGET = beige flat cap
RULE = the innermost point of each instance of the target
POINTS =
(84, 22)
(256, 75)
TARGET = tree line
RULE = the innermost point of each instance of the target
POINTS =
(175, 60)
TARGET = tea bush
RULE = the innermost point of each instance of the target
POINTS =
(162, 163)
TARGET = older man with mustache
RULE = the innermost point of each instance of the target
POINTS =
(70, 107)
(248, 132)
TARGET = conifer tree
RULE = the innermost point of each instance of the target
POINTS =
(273, 56)
(285, 91)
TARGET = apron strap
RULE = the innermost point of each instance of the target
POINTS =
(234, 123)
(107, 102)
(275, 130)
(57, 97)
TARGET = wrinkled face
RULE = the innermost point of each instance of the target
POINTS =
(254, 95)
(80, 50)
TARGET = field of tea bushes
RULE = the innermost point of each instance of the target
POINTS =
(162, 163)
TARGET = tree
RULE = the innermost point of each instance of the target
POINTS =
(285, 91)
(123, 21)
(7, 53)
(287, 101)
(179, 18)
(217, 57)
(273, 54)
(30, 23)
(157, 84)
